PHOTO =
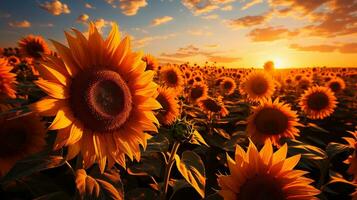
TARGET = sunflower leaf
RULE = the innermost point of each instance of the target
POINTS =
(198, 139)
(333, 149)
(192, 169)
(32, 165)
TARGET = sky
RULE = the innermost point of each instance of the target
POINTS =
(231, 33)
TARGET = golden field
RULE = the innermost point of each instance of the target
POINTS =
(94, 119)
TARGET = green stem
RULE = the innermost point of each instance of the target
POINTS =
(168, 169)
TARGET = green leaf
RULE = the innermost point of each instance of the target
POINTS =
(192, 169)
(316, 127)
(32, 165)
(151, 164)
(198, 139)
(334, 149)
(222, 133)
(158, 143)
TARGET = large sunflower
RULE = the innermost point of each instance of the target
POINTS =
(227, 85)
(318, 102)
(170, 107)
(151, 62)
(336, 84)
(7, 80)
(33, 46)
(101, 95)
(20, 137)
(265, 175)
(272, 120)
(352, 160)
(257, 86)
(172, 77)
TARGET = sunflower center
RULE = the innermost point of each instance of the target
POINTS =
(34, 49)
(335, 86)
(318, 101)
(261, 187)
(212, 105)
(172, 77)
(260, 86)
(271, 121)
(196, 93)
(227, 85)
(101, 100)
(13, 140)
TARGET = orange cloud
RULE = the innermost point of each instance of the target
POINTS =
(20, 24)
(342, 48)
(271, 34)
(89, 6)
(199, 32)
(204, 6)
(131, 7)
(82, 18)
(147, 40)
(251, 3)
(55, 7)
(161, 20)
(247, 21)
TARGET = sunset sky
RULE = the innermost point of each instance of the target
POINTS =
(234, 33)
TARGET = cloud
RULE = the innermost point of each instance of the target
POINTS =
(247, 21)
(192, 51)
(147, 40)
(83, 18)
(227, 8)
(251, 3)
(198, 7)
(89, 6)
(55, 7)
(199, 32)
(342, 48)
(271, 34)
(131, 7)
(161, 20)
(20, 24)
(213, 16)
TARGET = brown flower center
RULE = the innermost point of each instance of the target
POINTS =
(172, 77)
(259, 86)
(196, 92)
(271, 121)
(211, 105)
(101, 100)
(335, 86)
(317, 101)
(34, 49)
(261, 187)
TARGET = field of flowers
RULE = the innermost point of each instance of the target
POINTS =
(95, 120)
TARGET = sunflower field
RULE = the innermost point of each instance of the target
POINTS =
(95, 120)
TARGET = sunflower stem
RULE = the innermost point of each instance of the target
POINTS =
(168, 169)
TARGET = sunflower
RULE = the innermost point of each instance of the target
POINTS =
(272, 120)
(265, 175)
(172, 77)
(336, 84)
(269, 66)
(213, 106)
(13, 60)
(7, 80)
(198, 91)
(170, 107)
(318, 102)
(257, 86)
(304, 83)
(20, 137)
(33, 46)
(151, 62)
(228, 85)
(101, 95)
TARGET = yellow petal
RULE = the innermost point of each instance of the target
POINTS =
(62, 120)
(53, 89)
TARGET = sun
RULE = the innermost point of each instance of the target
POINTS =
(278, 63)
